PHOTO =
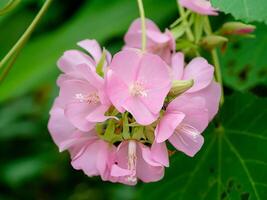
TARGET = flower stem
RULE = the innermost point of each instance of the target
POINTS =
(215, 59)
(13, 53)
(188, 31)
(143, 23)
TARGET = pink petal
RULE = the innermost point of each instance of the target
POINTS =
(58, 126)
(177, 66)
(88, 160)
(136, 26)
(159, 153)
(117, 90)
(98, 115)
(147, 155)
(117, 171)
(200, 71)
(189, 143)
(93, 48)
(147, 172)
(77, 113)
(155, 75)
(167, 125)
(158, 37)
(91, 76)
(194, 108)
(139, 111)
(68, 62)
(125, 65)
(212, 95)
(78, 138)
(70, 88)
(202, 7)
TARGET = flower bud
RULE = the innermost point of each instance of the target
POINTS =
(180, 86)
(213, 41)
(236, 28)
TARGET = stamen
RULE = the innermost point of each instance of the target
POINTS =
(132, 161)
(92, 98)
(138, 89)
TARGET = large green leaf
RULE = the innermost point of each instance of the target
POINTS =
(232, 163)
(244, 63)
(247, 10)
(99, 19)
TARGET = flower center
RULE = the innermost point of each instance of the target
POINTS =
(138, 89)
(132, 161)
(92, 98)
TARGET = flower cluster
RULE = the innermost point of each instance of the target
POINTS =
(115, 115)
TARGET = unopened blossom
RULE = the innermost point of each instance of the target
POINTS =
(82, 92)
(237, 28)
(182, 124)
(134, 161)
(88, 152)
(138, 83)
(202, 7)
(162, 44)
(202, 73)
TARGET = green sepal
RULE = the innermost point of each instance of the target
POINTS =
(138, 133)
(99, 67)
(125, 127)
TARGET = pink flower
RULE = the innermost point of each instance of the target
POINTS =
(82, 92)
(202, 7)
(162, 44)
(88, 152)
(135, 161)
(71, 58)
(138, 82)
(182, 124)
(204, 86)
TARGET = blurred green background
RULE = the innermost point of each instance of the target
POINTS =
(30, 165)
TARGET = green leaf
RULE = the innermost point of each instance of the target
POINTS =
(37, 63)
(244, 63)
(247, 10)
(231, 164)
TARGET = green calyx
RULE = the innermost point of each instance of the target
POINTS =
(114, 130)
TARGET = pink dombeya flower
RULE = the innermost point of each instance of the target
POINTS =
(162, 44)
(82, 92)
(204, 86)
(188, 115)
(182, 124)
(138, 82)
(88, 152)
(202, 7)
(135, 161)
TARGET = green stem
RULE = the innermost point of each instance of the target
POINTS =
(21, 42)
(10, 6)
(188, 31)
(215, 59)
(143, 23)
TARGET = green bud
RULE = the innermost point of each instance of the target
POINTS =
(180, 86)
(236, 28)
(213, 41)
